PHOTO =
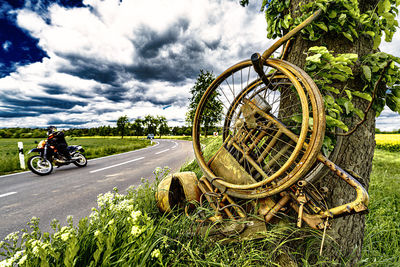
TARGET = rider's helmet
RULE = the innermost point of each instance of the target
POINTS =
(51, 130)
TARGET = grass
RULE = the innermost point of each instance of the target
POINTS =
(94, 147)
(129, 230)
(382, 237)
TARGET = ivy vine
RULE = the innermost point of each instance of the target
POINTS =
(379, 71)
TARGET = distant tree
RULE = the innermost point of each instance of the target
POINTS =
(213, 111)
(151, 124)
(138, 127)
(122, 122)
(175, 130)
(162, 125)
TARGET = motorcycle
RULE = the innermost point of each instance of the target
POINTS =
(42, 164)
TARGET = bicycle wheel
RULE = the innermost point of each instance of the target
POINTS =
(271, 133)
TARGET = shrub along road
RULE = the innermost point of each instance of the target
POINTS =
(73, 191)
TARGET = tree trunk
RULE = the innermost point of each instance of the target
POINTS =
(356, 152)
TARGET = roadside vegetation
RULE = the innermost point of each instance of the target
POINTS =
(127, 229)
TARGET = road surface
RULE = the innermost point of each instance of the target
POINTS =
(73, 191)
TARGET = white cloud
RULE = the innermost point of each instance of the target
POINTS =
(113, 58)
(130, 57)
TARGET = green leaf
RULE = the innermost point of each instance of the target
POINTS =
(390, 19)
(377, 40)
(384, 6)
(339, 77)
(348, 36)
(370, 33)
(314, 58)
(331, 89)
(359, 113)
(336, 106)
(396, 91)
(333, 13)
(331, 122)
(348, 93)
(387, 5)
(348, 106)
(365, 96)
(344, 69)
(366, 72)
(353, 31)
(393, 102)
(287, 21)
(329, 100)
(322, 26)
(342, 19)
(348, 57)
(319, 50)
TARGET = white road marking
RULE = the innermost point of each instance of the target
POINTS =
(129, 152)
(176, 144)
(8, 194)
(116, 165)
(8, 175)
(162, 151)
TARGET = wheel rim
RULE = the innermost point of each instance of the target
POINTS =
(82, 160)
(276, 116)
(41, 165)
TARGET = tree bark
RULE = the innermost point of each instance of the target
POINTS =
(356, 152)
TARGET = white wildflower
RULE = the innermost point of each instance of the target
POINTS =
(156, 253)
(12, 236)
(94, 216)
(22, 260)
(105, 199)
(65, 236)
(136, 215)
(124, 205)
(36, 246)
(6, 262)
(136, 231)
(35, 251)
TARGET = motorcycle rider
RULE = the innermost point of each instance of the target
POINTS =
(57, 139)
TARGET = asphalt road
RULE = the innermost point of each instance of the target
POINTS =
(73, 191)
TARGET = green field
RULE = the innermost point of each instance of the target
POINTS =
(94, 147)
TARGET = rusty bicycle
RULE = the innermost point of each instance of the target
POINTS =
(270, 149)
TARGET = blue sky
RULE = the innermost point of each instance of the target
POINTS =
(84, 63)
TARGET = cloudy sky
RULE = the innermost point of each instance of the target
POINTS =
(74, 63)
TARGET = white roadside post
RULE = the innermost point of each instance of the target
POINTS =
(21, 155)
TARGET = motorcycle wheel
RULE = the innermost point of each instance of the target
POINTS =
(39, 165)
(82, 161)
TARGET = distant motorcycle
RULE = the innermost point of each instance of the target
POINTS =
(42, 164)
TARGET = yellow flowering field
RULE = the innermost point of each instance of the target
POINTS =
(389, 142)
